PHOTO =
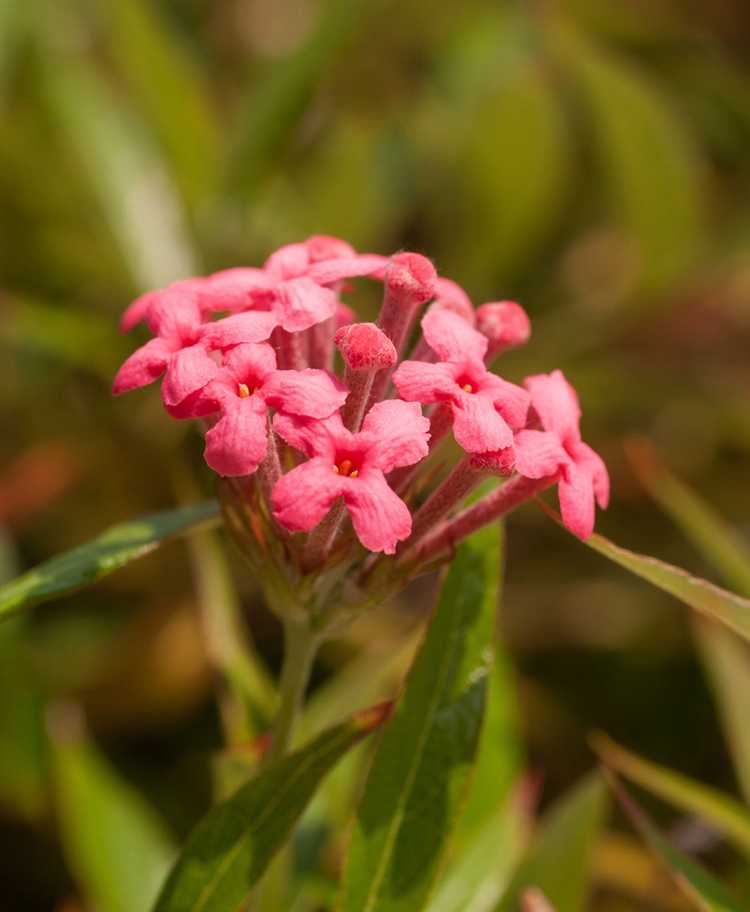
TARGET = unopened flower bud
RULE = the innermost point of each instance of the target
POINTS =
(505, 324)
(365, 347)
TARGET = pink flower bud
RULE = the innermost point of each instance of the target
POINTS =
(365, 347)
(505, 323)
(410, 279)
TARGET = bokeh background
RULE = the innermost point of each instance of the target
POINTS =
(590, 159)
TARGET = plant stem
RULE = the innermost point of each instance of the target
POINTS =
(300, 647)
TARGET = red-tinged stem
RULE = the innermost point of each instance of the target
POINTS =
(360, 384)
(441, 421)
(496, 504)
(457, 484)
(422, 352)
(323, 536)
(290, 349)
(321, 344)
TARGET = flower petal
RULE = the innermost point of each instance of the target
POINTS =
(380, 518)
(450, 296)
(175, 313)
(510, 400)
(288, 262)
(478, 427)
(592, 462)
(237, 443)
(230, 289)
(575, 491)
(451, 337)
(301, 303)
(556, 403)
(302, 497)
(189, 370)
(145, 365)
(539, 454)
(310, 392)
(330, 271)
(242, 327)
(313, 436)
(250, 361)
(419, 381)
(136, 312)
(399, 434)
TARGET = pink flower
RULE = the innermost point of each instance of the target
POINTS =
(505, 323)
(292, 285)
(485, 408)
(183, 344)
(559, 448)
(245, 385)
(352, 466)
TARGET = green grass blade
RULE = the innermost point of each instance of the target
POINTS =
(168, 88)
(116, 846)
(420, 773)
(695, 882)
(234, 843)
(722, 812)
(111, 550)
(559, 859)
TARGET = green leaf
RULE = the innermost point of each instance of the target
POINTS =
(111, 550)
(707, 599)
(122, 165)
(723, 813)
(478, 877)
(421, 770)
(694, 881)
(166, 84)
(232, 846)
(727, 660)
(708, 531)
(115, 845)
(489, 835)
(649, 167)
(559, 859)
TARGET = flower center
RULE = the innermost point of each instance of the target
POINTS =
(467, 388)
(243, 390)
(346, 468)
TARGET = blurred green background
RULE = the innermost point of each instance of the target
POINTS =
(590, 159)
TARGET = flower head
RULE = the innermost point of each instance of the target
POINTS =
(485, 408)
(558, 448)
(352, 466)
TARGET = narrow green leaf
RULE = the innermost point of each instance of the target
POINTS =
(708, 531)
(559, 859)
(707, 599)
(727, 661)
(123, 167)
(232, 846)
(489, 835)
(111, 550)
(695, 882)
(646, 159)
(479, 876)
(168, 87)
(722, 812)
(115, 845)
(420, 773)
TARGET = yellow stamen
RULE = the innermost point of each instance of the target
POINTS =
(468, 388)
(336, 469)
(243, 390)
(353, 474)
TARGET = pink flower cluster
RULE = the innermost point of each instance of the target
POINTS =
(251, 353)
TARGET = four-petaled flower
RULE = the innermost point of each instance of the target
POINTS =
(486, 409)
(182, 346)
(243, 388)
(559, 449)
(353, 467)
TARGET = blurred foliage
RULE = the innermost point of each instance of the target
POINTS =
(590, 159)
